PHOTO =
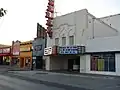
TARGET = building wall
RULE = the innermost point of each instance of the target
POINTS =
(86, 68)
(25, 52)
(83, 60)
(117, 63)
(67, 25)
(59, 63)
(15, 48)
(97, 28)
(103, 44)
(85, 64)
(39, 45)
(113, 21)
(82, 25)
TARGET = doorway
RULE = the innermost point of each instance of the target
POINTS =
(39, 62)
(74, 64)
(1, 60)
(70, 64)
(21, 62)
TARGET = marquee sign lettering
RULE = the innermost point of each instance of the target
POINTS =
(71, 50)
(6, 50)
(24, 49)
(68, 50)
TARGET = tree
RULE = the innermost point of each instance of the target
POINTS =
(2, 12)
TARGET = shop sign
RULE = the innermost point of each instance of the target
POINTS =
(68, 50)
(38, 48)
(25, 49)
(16, 48)
(6, 50)
(50, 16)
(48, 51)
(71, 50)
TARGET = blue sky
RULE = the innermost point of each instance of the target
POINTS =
(20, 22)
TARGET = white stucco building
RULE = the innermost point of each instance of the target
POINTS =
(80, 28)
(112, 20)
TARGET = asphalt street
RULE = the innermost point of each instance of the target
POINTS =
(9, 83)
(13, 82)
(84, 82)
(42, 80)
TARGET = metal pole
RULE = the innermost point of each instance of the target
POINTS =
(32, 59)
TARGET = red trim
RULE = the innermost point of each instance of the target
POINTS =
(5, 47)
(7, 54)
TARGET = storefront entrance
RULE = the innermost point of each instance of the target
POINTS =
(74, 64)
(1, 60)
(14, 61)
(4, 60)
(21, 62)
(39, 62)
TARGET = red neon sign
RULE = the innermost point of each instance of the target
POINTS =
(49, 16)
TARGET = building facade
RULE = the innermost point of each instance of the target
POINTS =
(38, 52)
(112, 20)
(39, 43)
(5, 55)
(15, 52)
(76, 36)
(103, 53)
(25, 54)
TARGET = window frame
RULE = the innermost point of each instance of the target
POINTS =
(63, 41)
(71, 40)
(57, 40)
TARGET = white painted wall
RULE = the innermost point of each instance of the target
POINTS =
(97, 28)
(114, 20)
(84, 63)
(82, 25)
(68, 25)
(58, 63)
(47, 62)
(117, 63)
(103, 44)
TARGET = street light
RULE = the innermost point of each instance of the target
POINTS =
(32, 58)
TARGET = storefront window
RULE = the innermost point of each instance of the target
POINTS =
(103, 62)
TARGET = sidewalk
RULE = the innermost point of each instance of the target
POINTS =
(76, 80)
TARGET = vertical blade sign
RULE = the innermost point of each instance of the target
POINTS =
(49, 16)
